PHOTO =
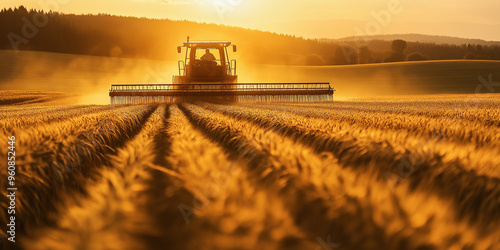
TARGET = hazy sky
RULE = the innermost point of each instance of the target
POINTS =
(273, 14)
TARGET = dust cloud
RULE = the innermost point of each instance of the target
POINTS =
(89, 77)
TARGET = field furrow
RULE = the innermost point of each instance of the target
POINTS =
(464, 107)
(479, 157)
(328, 200)
(413, 161)
(163, 195)
(111, 213)
(10, 111)
(460, 111)
(57, 158)
(374, 173)
(452, 129)
(225, 209)
(20, 98)
(22, 120)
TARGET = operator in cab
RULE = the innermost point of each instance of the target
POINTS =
(208, 56)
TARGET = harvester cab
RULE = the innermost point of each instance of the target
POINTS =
(207, 62)
(207, 74)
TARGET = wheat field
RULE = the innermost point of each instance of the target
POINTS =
(414, 172)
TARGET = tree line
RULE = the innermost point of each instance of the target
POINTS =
(377, 51)
(106, 35)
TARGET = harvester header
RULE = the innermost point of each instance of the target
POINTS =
(208, 74)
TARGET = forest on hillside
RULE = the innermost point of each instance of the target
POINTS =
(106, 35)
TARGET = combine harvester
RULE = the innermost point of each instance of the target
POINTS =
(207, 77)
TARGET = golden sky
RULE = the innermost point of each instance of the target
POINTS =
(312, 18)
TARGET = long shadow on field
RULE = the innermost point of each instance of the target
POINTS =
(352, 227)
(163, 197)
(476, 198)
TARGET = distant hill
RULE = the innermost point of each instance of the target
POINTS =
(334, 29)
(418, 38)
